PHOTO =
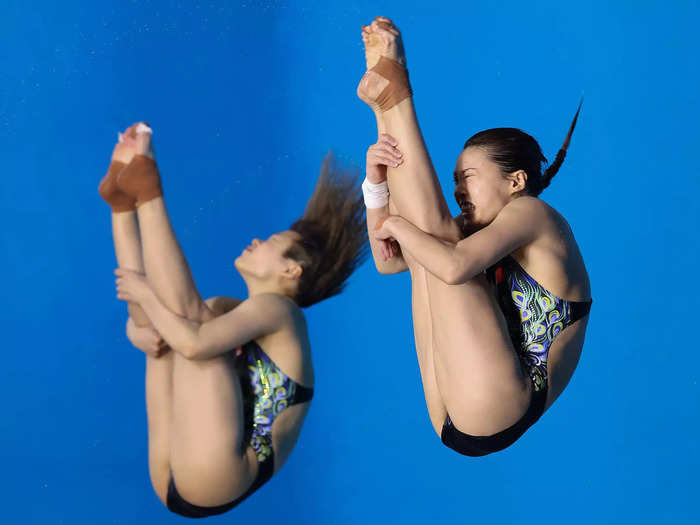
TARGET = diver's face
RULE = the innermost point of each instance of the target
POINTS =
(480, 189)
(265, 258)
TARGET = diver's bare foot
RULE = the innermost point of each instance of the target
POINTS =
(382, 38)
(143, 139)
(386, 81)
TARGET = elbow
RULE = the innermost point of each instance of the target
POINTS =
(383, 270)
(192, 352)
(189, 352)
(456, 274)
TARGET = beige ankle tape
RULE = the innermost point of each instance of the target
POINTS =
(110, 191)
(140, 179)
(399, 87)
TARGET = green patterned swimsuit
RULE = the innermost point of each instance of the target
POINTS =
(535, 316)
(272, 392)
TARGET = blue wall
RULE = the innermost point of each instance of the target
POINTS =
(245, 101)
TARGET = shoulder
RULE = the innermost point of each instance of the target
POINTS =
(527, 206)
(274, 305)
(528, 214)
(220, 305)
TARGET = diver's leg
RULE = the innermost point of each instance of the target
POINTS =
(413, 185)
(479, 375)
(425, 348)
(127, 246)
(208, 466)
(206, 417)
(166, 268)
(159, 410)
(159, 371)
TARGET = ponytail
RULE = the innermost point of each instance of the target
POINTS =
(552, 170)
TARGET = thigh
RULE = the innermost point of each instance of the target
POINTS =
(422, 332)
(159, 387)
(477, 369)
(207, 431)
(563, 358)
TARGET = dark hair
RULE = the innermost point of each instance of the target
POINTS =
(333, 234)
(513, 149)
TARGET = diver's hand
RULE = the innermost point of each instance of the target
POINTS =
(382, 229)
(380, 155)
(146, 339)
(132, 286)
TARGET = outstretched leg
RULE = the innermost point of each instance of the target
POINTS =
(159, 371)
(414, 186)
(206, 424)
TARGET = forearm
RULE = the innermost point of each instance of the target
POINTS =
(393, 265)
(437, 256)
(181, 334)
(138, 316)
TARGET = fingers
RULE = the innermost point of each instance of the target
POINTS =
(384, 249)
(384, 152)
(380, 223)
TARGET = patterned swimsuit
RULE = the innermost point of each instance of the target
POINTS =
(535, 317)
(267, 391)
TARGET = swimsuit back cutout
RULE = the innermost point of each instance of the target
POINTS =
(535, 317)
(267, 391)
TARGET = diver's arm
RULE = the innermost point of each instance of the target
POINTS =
(387, 255)
(145, 338)
(384, 265)
(252, 318)
(513, 227)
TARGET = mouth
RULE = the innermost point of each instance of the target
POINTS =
(466, 207)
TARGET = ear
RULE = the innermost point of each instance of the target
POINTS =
(293, 270)
(518, 181)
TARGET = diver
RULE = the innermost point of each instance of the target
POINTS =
(500, 293)
(228, 381)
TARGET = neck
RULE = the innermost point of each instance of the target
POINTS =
(258, 287)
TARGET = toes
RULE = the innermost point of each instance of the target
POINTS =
(143, 127)
(131, 130)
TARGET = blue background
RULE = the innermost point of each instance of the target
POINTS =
(245, 100)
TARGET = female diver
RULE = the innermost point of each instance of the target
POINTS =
(500, 294)
(226, 406)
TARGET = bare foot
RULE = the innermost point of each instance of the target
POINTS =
(139, 138)
(381, 39)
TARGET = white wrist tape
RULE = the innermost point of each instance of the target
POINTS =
(376, 195)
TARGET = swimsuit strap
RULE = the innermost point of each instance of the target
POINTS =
(579, 309)
(302, 394)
